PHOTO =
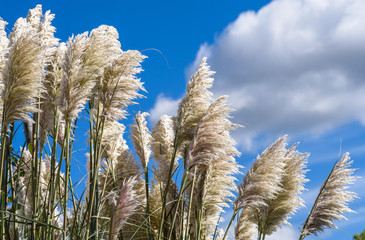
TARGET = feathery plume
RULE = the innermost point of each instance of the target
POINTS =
(287, 201)
(34, 16)
(4, 49)
(4, 46)
(212, 153)
(23, 74)
(141, 138)
(42, 23)
(25, 182)
(125, 206)
(54, 75)
(102, 46)
(245, 228)
(332, 200)
(113, 142)
(118, 164)
(262, 182)
(75, 87)
(196, 102)
(119, 86)
(47, 39)
(52, 86)
(163, 146)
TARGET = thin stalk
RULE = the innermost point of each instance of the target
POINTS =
(52, 178)
(15, 204)
(9, 170)
(7, 166)
(216, 227)
(57, 183)
(35, 172)
(92, 207)
(111, 223)
(3, 146)
(98, 147)
(90, 171)
(162, 221)
(148, 204)
(178, 202)
(67, 173)
(190, 203)
(4, 128)
(230, 223)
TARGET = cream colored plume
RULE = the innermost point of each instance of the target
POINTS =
(124, 207)
(4, 46)
(102, 47)
(211, 155)
(263, 181)
(25, 182)
(113, 142)
(287, 201)
(54, 75)
(119, 86)
(34, 16)
(332, 200)
(42, 23)
(52, 87)
(196, 102)
(163, 146)
(118, 164)
(4, 49)
(141, 138)
(245, 228)
(23, 74)
(75, 87)
(47, 39)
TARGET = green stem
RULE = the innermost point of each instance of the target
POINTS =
(52, 193)
(67, 173)
(190, 203)
(148, 204)
(179, 199)
(172, 162)
(230, 223)
(2, 193)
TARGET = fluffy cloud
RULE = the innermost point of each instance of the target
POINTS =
(295, 66)
(285, 233)
(163, 105)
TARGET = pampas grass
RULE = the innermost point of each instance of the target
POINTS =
(211, 155)
(332, 200)
(174, 183)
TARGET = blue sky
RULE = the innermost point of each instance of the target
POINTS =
(290, 67)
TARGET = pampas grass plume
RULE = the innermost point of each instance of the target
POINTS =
(332, 200)
(196, 102)
(125, 206)
(141, 138)
(23, 74)
(212, 153)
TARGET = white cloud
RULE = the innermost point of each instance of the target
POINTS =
(164, 105)
(295, 66)
(285, 233)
